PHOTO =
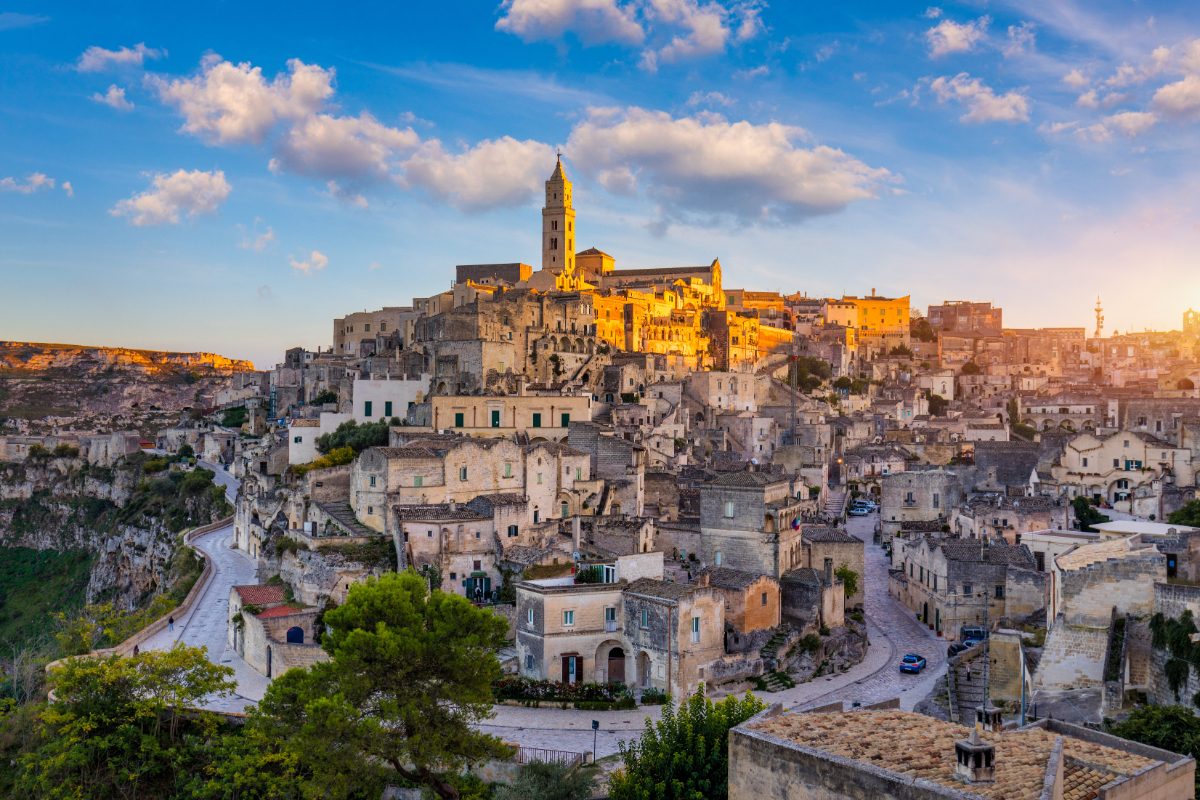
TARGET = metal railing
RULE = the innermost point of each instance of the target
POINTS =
(529, 755)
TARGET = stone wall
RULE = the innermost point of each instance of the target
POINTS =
(1073, 657)
(1006, 651)
(1089, 594)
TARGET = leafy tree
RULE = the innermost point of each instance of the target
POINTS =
(938, 405)
(1188, 515)
(325, 396)
(356, 437)
(186, 451)
(844, 383)
(971, 368)
(921, 330)
(334, 458)
(410, 673)
(124, 727)
(849, 579)
(900, 350)
(1086, 514)
(543, 780)
(685, 755)
(234, 417)
(1173, 728)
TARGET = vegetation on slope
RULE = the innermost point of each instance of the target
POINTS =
(33, 585)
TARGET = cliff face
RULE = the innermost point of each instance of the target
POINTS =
(44, 386)
(128, 519)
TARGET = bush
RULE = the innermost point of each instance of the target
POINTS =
(325, 396)
(515, 687)
(334, 458)
(543, 780)
(354, 436)
(234, 417)
(654, 697)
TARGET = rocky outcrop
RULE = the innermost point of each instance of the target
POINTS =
(130, 521)
(38, 356)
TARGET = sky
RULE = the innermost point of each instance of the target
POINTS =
(232, 177)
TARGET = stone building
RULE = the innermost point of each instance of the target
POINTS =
(918, 496)
(676, 630)
(746, 522)
(1127, 470)
(752, 601)
(951, 583)
(899, 755)
(270, 633)
(813, 598)
(1009, 518)
(821, 545)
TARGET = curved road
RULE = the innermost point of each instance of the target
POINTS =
(205, 624)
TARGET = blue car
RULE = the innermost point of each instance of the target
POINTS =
(859, 511)
(912, 663)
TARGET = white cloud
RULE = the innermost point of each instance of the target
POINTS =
(933, 12)
(494, 172)
(983, 104)
(708, 165)
(315, 262)
(1089, 99)
(34, 182)
(114, 98)
(68, 188)
(949, 36)
(192, 193)
(1021, 39)
(706, 29)
(1075, 79)
(593, 21)
(1181, 98)
(353, 148)
(11, 20)
(760, 71)
(258, 240)
(1131, 123)
(348, 196)
(709, 99)
(98, 59)
(230, 102)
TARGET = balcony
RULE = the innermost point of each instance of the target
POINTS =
(610, 625)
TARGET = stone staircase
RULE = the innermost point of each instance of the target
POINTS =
(835, 503)
(1073, 657)
(775, 682)
(343, 516)
(770, 650)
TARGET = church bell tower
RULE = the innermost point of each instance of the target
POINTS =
(558, 225)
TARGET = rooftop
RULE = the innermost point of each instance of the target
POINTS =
(822, 533)
(729, 578)
(664, 590)
(261, 594)
(286, 610)
(1088, 554)
(913, 746)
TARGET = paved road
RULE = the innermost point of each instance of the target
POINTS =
(892, 630)
(205, 626)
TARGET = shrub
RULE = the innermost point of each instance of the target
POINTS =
(354, 436)
(234, 417)
(334, 458)
(654, 697)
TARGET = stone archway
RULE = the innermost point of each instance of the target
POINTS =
(616, 665)
(643, 669)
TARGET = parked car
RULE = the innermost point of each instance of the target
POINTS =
(912, 663)
(976, 632)
(957, 647)
(865, 503)
(859, 511)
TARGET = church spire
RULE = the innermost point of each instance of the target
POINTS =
(558, 224)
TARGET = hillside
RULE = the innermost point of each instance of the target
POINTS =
(43, 386)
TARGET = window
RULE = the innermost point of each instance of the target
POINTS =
(298, 439)
(368, 408)
(428, 534)
(610, 619)
(462, 473)
(719, 558)
(529, 660)
(566, 419)
(568, 617)
(1116, 463)
(372, 480)
(453, 576)
(729, 508)
(383, 327)
(936, 500)
(695, 629)
(764, 598)
(645, 618)
(370, 509)
(553, 224)
(367, 328)
(476, 536)
(539, 479)
(417, 481)
(537, 420)
(966, 588)
(508, 469)
(458, 419)
(529, 617)
(1085, 461)
(909, 499)
(495, 418)
(477, 565)
(512, 531)
(387, 408)
(537, 515)
(579, 473)
(566, 509)
(999, 591)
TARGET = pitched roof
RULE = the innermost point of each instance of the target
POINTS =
(261, 594)
(729, 578)
(286, 610)
(744, 478)
(997, 553)
(826, 534)
(437, 511)
(663, 590)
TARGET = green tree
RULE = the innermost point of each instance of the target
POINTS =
(1014, 410)
(325, 396)
(186, 451)
(1086, 514)
(548, 781)
(1188, 515)
(125, 727)
(971, 368)
(234, 417)
(938, 405)
(685, 755)
(849, 579)
(921, 330)
(1173, 728)
(844, 383)
(357, 437)
(900, 350)
(410, 673)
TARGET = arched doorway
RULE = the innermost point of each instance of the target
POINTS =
(643, 669)
(925, 613)
(295, 635)
(616, 665)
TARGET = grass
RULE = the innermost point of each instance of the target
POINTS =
(34, 583)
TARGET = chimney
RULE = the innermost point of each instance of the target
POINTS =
(988, 718)
(829, 571)
(975, 759)
(453, 506)
(576, 533)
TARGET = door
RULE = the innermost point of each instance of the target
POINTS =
(643, 668)
(570, 669)
(925, 613)
(269, 661)
(616, 665)
(495, 418)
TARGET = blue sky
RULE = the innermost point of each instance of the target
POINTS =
(231, 177)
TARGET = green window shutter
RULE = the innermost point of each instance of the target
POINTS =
(367, 408)
(458, 420)
(537, 420)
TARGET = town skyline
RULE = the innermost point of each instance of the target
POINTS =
(964, 151)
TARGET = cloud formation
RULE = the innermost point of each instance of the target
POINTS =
(11, 20)
(982, 103)
(99, 59)
(170, 196)
(34, 182)
(113, 98)
(315, 262)
(1181, 98)
(494, 172)
(593, 21)
(707, 165)
(949, 36)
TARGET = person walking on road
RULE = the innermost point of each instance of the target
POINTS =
(171, 623)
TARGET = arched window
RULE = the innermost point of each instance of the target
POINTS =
(295, 635)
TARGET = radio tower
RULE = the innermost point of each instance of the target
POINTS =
(1099, 318)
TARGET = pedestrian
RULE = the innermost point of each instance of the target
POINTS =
(136, 651)
(170, 623)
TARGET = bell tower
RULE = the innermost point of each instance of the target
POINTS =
(558, 225)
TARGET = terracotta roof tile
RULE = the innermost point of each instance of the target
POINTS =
(261, 594)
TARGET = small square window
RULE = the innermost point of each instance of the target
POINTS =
(453, 576)
(568, 618)
(764, 598)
